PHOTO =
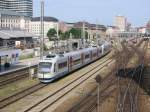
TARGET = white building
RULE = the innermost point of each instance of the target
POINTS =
(121, 23)
(49, 22)
(142, 30)
(112, 31)
(11, 20)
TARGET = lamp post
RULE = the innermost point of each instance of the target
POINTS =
(42, 29)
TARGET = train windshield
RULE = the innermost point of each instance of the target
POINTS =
(45, 67)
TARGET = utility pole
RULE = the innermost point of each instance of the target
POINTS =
(96, 32)
(42, 29)
(57, 37)
(83, 34)
(70, 42)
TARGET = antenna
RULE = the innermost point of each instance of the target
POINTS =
(42, 29)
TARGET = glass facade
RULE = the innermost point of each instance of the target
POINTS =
(24, 7)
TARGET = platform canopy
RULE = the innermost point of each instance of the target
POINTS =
(8, 34)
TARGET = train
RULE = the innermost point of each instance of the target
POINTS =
(8, 57)
(54, 66)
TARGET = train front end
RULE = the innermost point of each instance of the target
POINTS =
(45, 71)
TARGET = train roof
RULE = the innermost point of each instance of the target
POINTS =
(53, 57)
(80, 51)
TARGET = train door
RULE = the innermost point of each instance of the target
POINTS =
(70, 63)
(0, 63)
(102, 49)
(91, 54)
(97, 52)
(55, 67)
(82, 58)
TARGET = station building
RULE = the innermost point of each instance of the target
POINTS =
(11, 43)
(17, 38)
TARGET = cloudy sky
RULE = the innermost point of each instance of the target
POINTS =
(103, 11)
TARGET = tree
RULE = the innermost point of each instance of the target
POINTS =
(51, 34)
(86, 35)
(65, 35)
(76, 33)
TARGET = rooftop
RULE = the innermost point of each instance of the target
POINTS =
(89, 25)
(8, 34)
(48, 19)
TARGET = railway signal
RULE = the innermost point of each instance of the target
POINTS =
(98, 80)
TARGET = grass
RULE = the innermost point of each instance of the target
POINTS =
(26, 56)
(16, 87)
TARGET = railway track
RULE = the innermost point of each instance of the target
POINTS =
(129, 88)
(129, 93)
(17, 75)
(89, 103)
(60, 93)
(93, 106)
(11, 99)
(14, 78)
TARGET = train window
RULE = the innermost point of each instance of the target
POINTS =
(50, 56)
(55, 67)
(45, 66)
(77, 61)
(62, 65)
(87, 56)
(94, 55)
(100, 50)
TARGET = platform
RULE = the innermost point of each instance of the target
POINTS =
(21, 65)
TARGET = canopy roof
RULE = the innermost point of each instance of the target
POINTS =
(8, 34)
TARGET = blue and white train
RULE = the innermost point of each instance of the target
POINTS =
(54, 66)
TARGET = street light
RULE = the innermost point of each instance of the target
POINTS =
(42, 30)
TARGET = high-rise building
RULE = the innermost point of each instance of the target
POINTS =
(24, 7)
(121, 23)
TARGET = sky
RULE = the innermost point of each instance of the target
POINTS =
(96, 11)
